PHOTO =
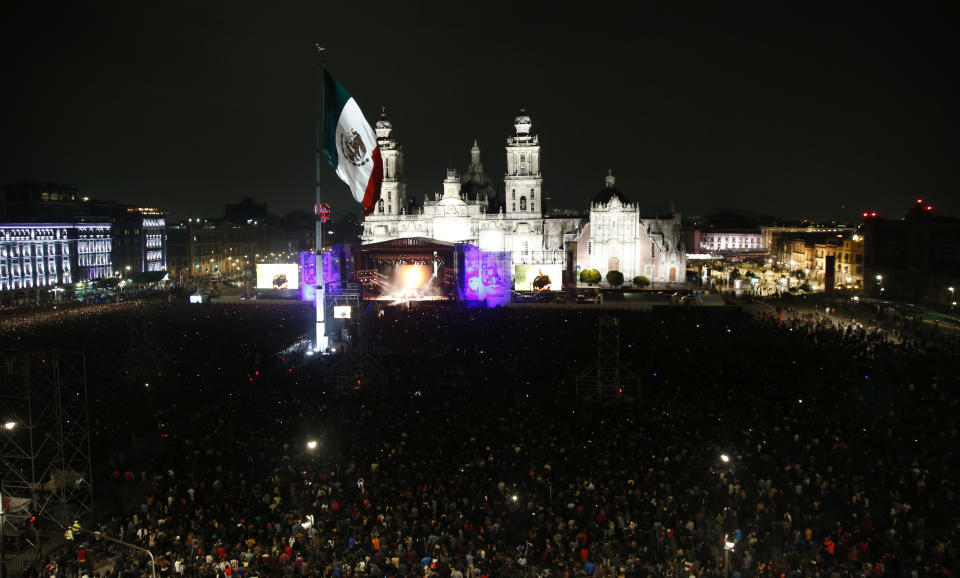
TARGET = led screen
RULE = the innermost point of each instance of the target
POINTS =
(308, 275)
(538, 277)
(278, 276)
(486, 275)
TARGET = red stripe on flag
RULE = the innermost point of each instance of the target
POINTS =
(372, 194)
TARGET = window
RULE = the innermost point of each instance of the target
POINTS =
(523, 203)
(531, 194)
(380, 207)
(651, 250)
(514, 207)
(513, 194)
(523, 158)
(531, 206)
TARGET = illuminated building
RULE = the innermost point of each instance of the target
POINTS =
(617, 238)
(137, 237)
(730, 241)
(140, 243)
(848, 258)
(201, 247)
(613, 237)
(34, 255)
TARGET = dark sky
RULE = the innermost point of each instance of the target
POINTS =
(783, 108)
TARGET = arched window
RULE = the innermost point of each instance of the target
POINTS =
(523, 203)
(514, 206)
(531, 206)
(380, 207)
(513, 194)
(531, 194)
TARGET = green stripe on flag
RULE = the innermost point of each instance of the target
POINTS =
(334, 99)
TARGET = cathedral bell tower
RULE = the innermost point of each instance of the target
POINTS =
(393, 191)
(523, 183)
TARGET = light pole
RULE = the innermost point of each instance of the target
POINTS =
(3, 522)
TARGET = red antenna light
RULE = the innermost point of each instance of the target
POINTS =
(929, 207)
(919, 201)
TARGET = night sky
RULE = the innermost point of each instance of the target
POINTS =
(772, 108)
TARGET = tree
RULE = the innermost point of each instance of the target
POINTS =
(590, 276)
(614, 278)
(641, 281)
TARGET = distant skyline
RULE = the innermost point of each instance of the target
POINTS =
(782, 109)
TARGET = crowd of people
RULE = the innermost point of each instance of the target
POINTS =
(759, 446)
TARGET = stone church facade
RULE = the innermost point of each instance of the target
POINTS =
(614, 236)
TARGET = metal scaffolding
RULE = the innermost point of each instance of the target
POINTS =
(606, 379)
(355, 370)
(45, 435)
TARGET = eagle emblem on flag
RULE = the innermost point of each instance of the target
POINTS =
(353, 149)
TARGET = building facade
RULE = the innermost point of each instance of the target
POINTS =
(35, 255)
(613, 237)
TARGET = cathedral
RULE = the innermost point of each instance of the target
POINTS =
(614, 237)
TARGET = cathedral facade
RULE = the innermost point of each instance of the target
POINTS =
(614, 237)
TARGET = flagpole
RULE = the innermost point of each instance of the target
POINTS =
(321, 342)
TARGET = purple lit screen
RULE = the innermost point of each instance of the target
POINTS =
(486, 276)
(308, 273)
(308, 276)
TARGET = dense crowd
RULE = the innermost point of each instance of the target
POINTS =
(776, 445)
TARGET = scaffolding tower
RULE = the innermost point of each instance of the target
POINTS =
(355, 370)
(606, 379)
(45, 435)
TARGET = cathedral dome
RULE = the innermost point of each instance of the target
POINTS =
(609, 192)
(476, 184)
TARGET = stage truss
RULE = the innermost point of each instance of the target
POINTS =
(45, 435)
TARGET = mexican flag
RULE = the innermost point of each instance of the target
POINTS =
(350, 145)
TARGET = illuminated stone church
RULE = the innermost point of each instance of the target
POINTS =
(468, 210)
